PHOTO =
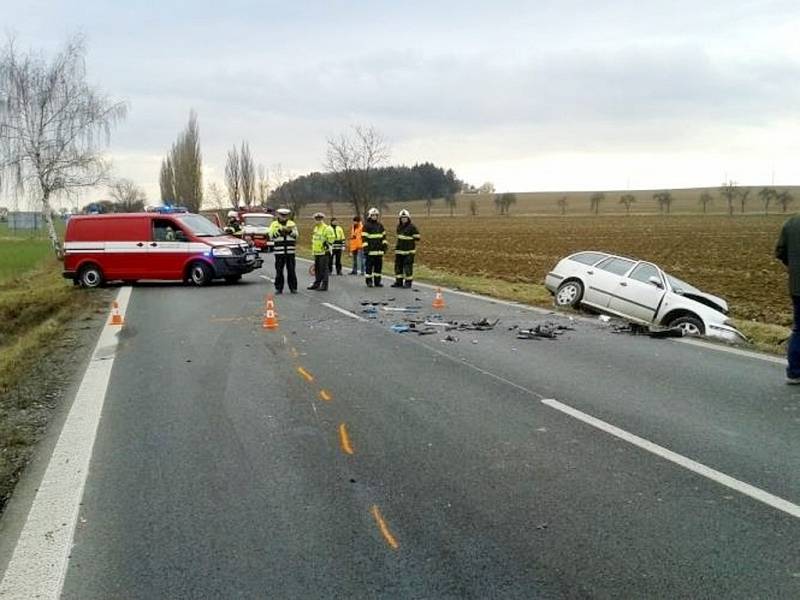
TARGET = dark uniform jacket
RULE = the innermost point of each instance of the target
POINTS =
(407, 238)
(374, 236)
(788, 252)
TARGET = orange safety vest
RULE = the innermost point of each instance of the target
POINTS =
(355, 237)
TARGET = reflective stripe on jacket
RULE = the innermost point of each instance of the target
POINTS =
(355, 237)
(374, 236)
(284, 243)
(407, 238)
(338, 237)
(321, 239)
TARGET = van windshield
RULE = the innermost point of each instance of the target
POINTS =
(257, 221)
(200, 226)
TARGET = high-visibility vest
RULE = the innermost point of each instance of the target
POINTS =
(407, 238)
(338, 237)
(355, 236)
(321, 239)
(283, 243)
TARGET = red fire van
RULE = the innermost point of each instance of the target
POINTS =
(185, 246)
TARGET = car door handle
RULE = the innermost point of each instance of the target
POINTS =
(623, 283)
(153, 244)
(140, 244)
(590, 272)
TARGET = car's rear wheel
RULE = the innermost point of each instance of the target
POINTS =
(569, 293)
(200, 273)
(689, 324)
(90, 277)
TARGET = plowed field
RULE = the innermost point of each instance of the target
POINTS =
(729, 257)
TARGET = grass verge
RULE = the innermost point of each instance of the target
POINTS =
(37, 310)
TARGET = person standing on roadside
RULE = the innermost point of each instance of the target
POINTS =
(356, 249)
(787, 250)
(283, 233)
(375, 246)
(338, 247)
(321, 243)
(405, 250)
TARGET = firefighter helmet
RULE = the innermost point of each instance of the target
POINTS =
(373, 212)
(404, 213)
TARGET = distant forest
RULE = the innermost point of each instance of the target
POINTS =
(387, 184)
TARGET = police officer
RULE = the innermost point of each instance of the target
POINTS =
(321, 243)
(338, 247)
(405, 250)
(375, 245)
(283, 234)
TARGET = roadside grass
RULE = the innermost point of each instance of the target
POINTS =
(36, 307)
(765, 337)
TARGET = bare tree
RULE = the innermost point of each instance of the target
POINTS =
(784, 198)
(706, 198)
(767, 196)
(51, 125)
(215, 193)
(506, 200)
(283, 190)
(233, 177)
(744, 194)
(128, 196)
(247, 176)
(595, 200)
(729, 191)
(166, 180)
(352, 158)
(187, 166)
(562, 204)
(627, 200)
(664, 200)
(428, 204)
(262, 185)
(450, 201)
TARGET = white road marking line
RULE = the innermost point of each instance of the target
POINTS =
(270, 279)
(343, 311)
(39, 563)
(737, 351)
(686, 463)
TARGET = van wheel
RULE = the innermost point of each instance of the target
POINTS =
(200, 274)
(233, 278)
(90, 277)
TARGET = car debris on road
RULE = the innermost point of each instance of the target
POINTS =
(547, 330)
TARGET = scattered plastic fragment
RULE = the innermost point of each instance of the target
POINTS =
(400, 328)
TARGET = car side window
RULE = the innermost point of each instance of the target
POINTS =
(644, 272)
(618, 266)
(587, 258)
(167, 231)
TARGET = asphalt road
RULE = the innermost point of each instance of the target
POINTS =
(334, 457)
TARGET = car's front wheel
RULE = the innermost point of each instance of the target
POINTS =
(569, 293)
(90, 277)
(689, 324)
(200, 273)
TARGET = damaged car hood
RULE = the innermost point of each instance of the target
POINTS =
(709, 300)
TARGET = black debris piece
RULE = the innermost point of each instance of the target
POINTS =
(450, 338)
(653, 332)
(482, 325)
(547, 330)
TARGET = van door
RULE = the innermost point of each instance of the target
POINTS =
(124, 246)
(168, 249)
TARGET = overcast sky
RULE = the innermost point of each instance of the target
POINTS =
(537, 95)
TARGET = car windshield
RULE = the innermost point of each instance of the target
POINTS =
(258, 221)
(680, 286)
(200, 226)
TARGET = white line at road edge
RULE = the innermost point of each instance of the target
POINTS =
(343, 311)
(38, 565)
(686, 463)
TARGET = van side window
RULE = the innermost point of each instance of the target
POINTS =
(167, 231)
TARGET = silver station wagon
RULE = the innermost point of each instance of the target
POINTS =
(641, 292)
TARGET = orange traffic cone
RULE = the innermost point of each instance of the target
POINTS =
(116, 318)
(270, 319)
(438, 301)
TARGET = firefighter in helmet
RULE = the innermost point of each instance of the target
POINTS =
(375, 246)
(405, 250)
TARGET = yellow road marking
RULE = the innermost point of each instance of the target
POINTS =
(325, 396)
(344, 440)
(308, 376)
(387, 535)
